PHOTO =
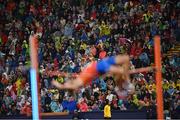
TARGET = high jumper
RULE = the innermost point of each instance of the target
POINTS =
(118, 66)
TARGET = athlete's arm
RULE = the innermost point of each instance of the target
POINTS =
(141, 70)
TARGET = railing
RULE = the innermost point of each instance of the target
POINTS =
(86, 115)
(54, 114)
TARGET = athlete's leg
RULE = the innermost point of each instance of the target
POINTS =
(122, 77)
(124, 87)
(87, 75)
(125, 62)
(116, 70)
(70, 84)
(119, 75)
(122, 70)
(123, 84)
(122, 59)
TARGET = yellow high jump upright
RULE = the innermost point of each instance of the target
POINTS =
(158, 77)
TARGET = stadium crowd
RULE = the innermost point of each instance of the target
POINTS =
(74, 32)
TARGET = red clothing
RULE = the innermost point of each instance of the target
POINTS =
(93, 15)
(56, 63)
(18, 49)
(89, 73)
(122, 41)
(4, 38)
(90, 2)
(132, 52)
(4, 81)
(33, 9)
(102, 54)
(83, 107)
(114, 102)
(79, 26)
(141, 81)
(93, 51)
(21, 35)
(138, 51)
(14, 88)
(11, 6)
(26, 110)
(40, 29)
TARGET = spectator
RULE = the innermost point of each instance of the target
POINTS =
(95, 91)
(109, 96)
(72, 105)
(83, 107)
(107, 110)
(55, 106)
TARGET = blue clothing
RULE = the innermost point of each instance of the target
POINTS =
(103, 38)
(144, 57)
(65, 104)
(104, 65)
(96, 81)
(55, 107)
(84, 36)
(68, 31)
(151, 42)
(103, 85)
(71, 106)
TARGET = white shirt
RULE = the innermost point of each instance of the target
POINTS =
(109, 97)
(95, 89)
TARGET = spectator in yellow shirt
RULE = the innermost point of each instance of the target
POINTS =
(104, 29)
(107, 110)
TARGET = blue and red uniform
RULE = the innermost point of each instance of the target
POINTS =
(96, 68)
